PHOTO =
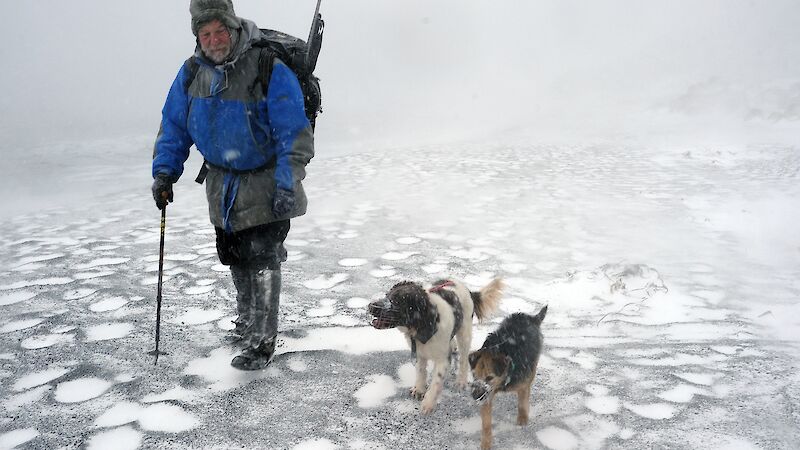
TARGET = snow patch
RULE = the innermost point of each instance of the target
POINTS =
(357, 303)
(80, 390)
(705, 379)
(321, 312)
(26, 398)
(353, 340)
(124, 438)
(109, 304)
(398, 256)
(39, 282)
(655, 411)
(382, 273)
(682, 393)
(181, 257)
(198, 290)
(101, 262)
(352, 262)
(323, 282)
(316, 444)
(726, 349)
(434, 268)
(18, 325)
(108, 331)
(296, 242)
(38, 378)
(603, 404)
(14, 438)
(167, 418)
(408, 240)
(160, 417)
(216, 369)
(36, 342)
(407, 375)
(470, 425)
(375, 393)
(226, 323)
(16, 297)
(557, 438)
(120, 414)
(198, 316)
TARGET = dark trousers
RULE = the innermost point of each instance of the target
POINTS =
(258, 247)
(255, 256)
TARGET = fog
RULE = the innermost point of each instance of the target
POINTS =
(413, 72)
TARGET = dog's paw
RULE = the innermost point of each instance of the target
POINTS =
(417, 393)
(522, 420)
(427, 407)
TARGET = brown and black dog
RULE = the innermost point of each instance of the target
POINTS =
(431, 319)
(507, 363)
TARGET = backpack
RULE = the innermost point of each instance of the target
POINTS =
(295, 53)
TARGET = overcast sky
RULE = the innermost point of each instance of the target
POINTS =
(408, 71)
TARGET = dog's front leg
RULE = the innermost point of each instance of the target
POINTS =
(437, 382)
(523, 404)
(422, 375)
(486, 424)
(524, 399)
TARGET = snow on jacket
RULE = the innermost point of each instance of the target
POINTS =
(255, 142)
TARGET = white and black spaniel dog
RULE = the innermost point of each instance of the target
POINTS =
(430, 319)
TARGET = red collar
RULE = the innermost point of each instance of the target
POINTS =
(439, 287)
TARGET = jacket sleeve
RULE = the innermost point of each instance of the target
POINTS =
(173, 142)
(289, 126)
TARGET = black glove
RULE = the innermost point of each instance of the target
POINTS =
(162, 190)
(283, 202)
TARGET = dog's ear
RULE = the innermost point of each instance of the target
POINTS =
(473, 358)
(422, 314)
(501, 364)
(425, 329)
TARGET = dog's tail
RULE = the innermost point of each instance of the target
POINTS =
(487, 300)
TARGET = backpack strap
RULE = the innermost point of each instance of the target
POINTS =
(266, 58)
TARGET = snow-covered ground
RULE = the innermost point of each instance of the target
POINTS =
(672, 277)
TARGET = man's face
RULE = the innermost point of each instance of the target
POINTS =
(215, 41)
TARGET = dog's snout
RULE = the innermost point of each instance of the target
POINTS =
(379, 306)
(480, 390)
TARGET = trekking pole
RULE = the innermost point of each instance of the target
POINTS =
(156, 352)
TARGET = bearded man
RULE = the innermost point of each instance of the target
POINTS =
(252, 131)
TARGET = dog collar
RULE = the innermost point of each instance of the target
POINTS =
(439, 287)
(510, 371)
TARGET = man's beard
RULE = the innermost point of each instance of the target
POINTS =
(218, 56)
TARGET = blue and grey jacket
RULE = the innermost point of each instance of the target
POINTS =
(255, 141)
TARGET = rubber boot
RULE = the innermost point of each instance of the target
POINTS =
(244, 305)
(259, 348)
(255, 358)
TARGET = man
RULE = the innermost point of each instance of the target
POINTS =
(256, 141)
